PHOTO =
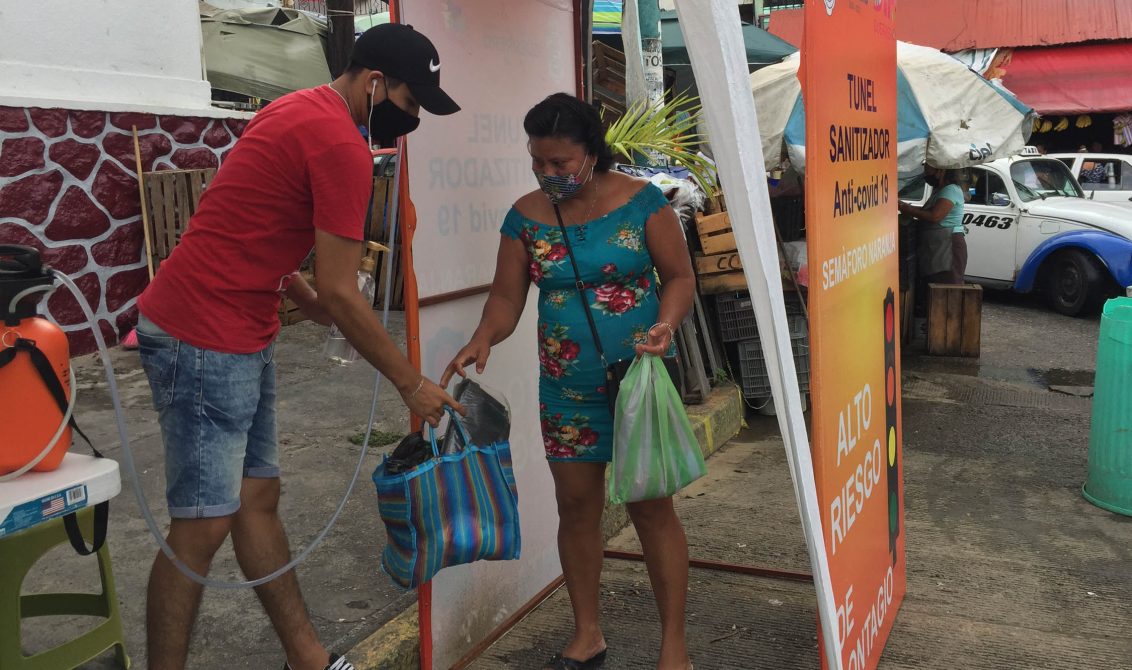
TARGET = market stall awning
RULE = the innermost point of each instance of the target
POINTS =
(607, 17)
(1073, 79)
(762, 47)
(956, 25)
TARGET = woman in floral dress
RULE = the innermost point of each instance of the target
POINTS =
(623, 234)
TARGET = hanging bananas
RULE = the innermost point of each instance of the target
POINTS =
(1084, 121)
(1062, 124)
(1047, 126)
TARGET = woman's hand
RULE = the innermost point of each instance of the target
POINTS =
(904, 207)
(477, 351)
(660, 339)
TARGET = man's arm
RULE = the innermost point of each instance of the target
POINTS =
(336, 263)
(306, 298)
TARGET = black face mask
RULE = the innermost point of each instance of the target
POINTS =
(387, 122)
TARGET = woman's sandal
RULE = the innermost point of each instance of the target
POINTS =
(560, 662)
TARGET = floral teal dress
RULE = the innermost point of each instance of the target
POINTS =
(620, 287)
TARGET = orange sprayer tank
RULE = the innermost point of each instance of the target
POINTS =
(29, 414)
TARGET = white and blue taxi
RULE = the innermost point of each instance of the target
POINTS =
(1030, 227)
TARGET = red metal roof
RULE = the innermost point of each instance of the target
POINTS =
(787, 24)
(1077, 79)
(955, 25)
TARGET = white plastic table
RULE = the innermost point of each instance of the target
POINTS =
(80, 481)
(30, 507)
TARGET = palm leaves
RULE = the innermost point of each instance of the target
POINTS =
(668, 129)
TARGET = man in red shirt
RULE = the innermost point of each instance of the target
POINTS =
(300, 177)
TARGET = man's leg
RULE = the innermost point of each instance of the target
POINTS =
(173, 599)
(260, 540)
(202, 473)
(262, 548)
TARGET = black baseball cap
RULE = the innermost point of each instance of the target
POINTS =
(397, 50)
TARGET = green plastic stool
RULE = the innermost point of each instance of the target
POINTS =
(18, 553)
(1109, 481)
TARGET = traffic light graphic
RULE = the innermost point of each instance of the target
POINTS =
(890, 409)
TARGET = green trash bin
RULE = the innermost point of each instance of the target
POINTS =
(1108, 483)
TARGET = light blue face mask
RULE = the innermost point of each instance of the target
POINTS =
(559, 189)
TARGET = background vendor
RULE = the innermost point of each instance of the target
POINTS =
(942, 248)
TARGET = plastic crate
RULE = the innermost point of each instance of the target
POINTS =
(753, 376)
(789, 213)
(736, 316)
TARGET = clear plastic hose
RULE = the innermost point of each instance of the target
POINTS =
(128, 456)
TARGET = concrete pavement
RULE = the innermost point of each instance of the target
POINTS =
(323, 410)
(1009, 567)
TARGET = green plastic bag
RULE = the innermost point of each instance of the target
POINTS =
(655, 452)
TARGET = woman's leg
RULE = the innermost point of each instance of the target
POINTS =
(580, 491)
(958, 258)
(666, 555)
(944, 277)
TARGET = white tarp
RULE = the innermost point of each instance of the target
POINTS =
(715, 43)
(979, 60)
(948, 115)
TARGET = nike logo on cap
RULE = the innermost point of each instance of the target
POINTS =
(433, 67)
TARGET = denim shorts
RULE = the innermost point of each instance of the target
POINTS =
(217, 416)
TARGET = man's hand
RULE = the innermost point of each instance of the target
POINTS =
(427, 400)
(476, 352)
(306, 298)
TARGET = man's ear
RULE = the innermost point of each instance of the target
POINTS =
(374, 77)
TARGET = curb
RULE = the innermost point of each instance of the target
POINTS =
(395, 646)
(718, 419)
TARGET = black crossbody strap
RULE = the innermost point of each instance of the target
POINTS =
(580, 285)
(43, 366)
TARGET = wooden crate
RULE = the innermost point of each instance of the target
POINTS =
(171, 198)
(715, 204)
(609, 81)
(955, 320)
(289, 313)
(715, 233)
(720, 273)
(379, 232)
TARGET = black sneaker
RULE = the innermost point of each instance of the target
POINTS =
(336, 663)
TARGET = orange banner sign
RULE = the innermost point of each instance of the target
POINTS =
(849, 87)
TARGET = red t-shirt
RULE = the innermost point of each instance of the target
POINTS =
(301, 164)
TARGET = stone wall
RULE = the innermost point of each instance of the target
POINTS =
(68, 186)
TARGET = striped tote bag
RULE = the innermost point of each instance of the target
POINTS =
(452, 509)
